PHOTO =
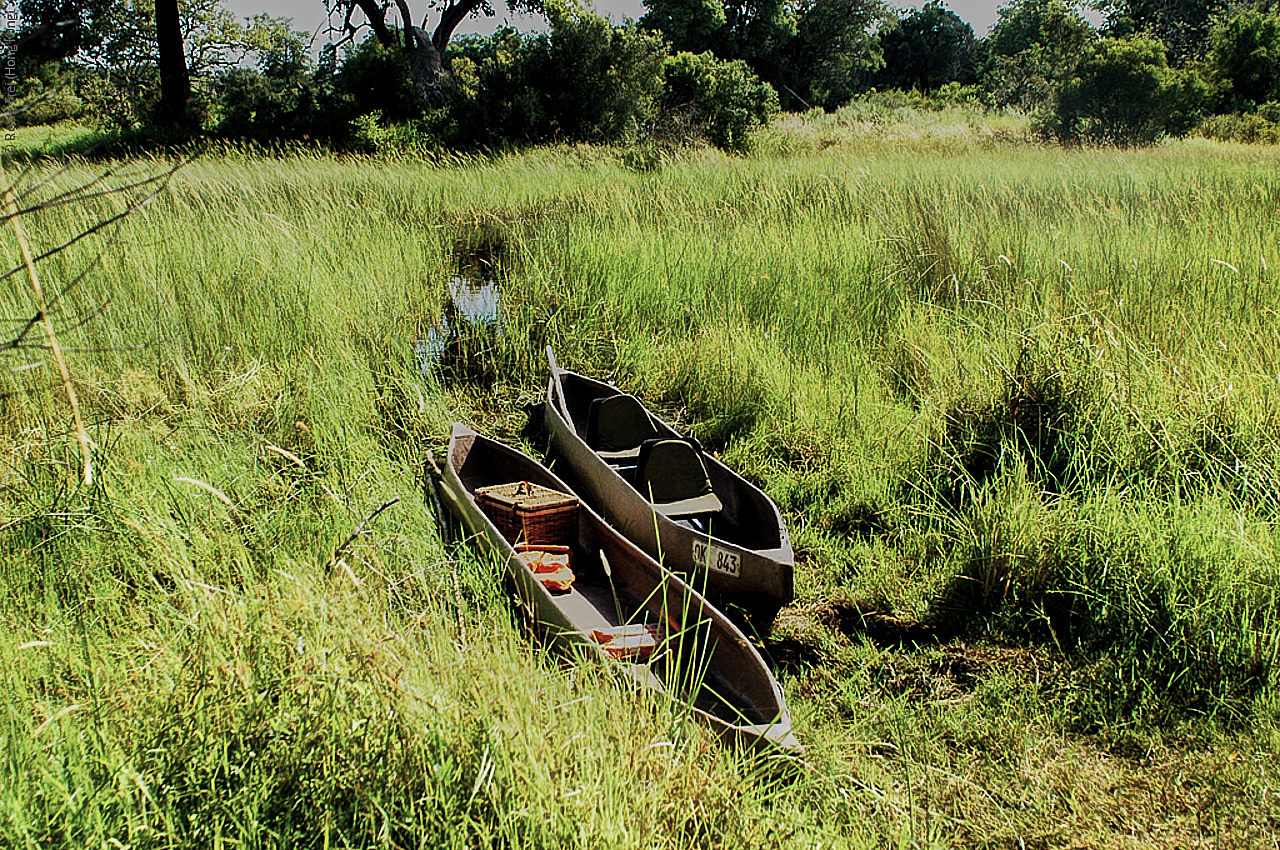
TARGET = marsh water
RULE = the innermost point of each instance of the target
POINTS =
(471, 321)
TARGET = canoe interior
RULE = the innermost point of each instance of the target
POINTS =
(748, 518)
(704, 661)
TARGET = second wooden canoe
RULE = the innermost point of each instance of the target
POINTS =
(737, 546)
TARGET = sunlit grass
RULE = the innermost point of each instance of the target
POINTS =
(1017, 403)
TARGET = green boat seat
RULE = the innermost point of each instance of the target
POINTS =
(671, 474)
(617, 425)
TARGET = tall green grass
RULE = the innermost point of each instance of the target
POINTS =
(1016, 402)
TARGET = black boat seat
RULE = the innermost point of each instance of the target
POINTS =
(617, 425)
(671, 474)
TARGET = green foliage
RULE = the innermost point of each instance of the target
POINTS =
(725, 98)
(688, 24)
(600, 80)
(1260, 127)
(1032, 51)
(813, 52)
(377, 78)
(279, 102)
(54, 30)
(927, 49)
(1181, 25)
(1125, 93)
(1024, 24)
(755, 30)
(110, 51)
(1244, 58)
(47, 96)
(492, 95)
(371, 134)
(1029, 80)
(586, 81)
(833, 54)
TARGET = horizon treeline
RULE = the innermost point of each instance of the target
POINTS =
(687, 72)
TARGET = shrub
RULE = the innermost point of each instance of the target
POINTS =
(603, 80)
(1245, 57)
(1125, 93)
(378, 79)
(585, 81)
(371, 134)
(1249, 127)
(490, 94)
(728, 100)
(46, 97)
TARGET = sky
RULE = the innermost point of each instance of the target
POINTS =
(308, 15)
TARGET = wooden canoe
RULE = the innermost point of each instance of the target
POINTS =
(741, 550)
(696, 654)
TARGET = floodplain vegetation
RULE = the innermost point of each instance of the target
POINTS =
(1017, 402)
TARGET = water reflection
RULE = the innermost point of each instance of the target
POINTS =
(464, 335)
(476, 301)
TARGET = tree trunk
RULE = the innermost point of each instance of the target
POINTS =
(426, 67)
(175, 82)
(426, 62)
(377, 16)
(426, 53)
(450, 17)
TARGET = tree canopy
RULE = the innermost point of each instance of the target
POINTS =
(927, 49)
(1244, 57)
(1032, 51)
(1182, 26)
(426, 53)
(813, 52)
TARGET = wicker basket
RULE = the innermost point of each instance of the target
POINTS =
(529, 513)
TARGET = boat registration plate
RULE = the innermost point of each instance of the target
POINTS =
(708, 556)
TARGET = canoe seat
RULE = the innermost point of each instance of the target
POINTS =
(617, 425)
(671, 474)
(549, 563)
(632, 642)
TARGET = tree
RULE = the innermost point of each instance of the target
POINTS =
(756, 29)
(54, 30)
(1125, 93)
(113, 48)
(725, 98)
(731, 29)
(833, 54)
(175, 82)
(927, 49)
(601, 80)
(1244, 57)
(690, 25)
(1024, 24)
(425, 53)
(814, 52)
(584, 81)
(1032, 51)
(1181, 25)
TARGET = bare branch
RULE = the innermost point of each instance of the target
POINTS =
(341, 552)
(82, 436)
(80, 193)
(130, 210)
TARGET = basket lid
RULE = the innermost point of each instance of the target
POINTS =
(524, 494)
